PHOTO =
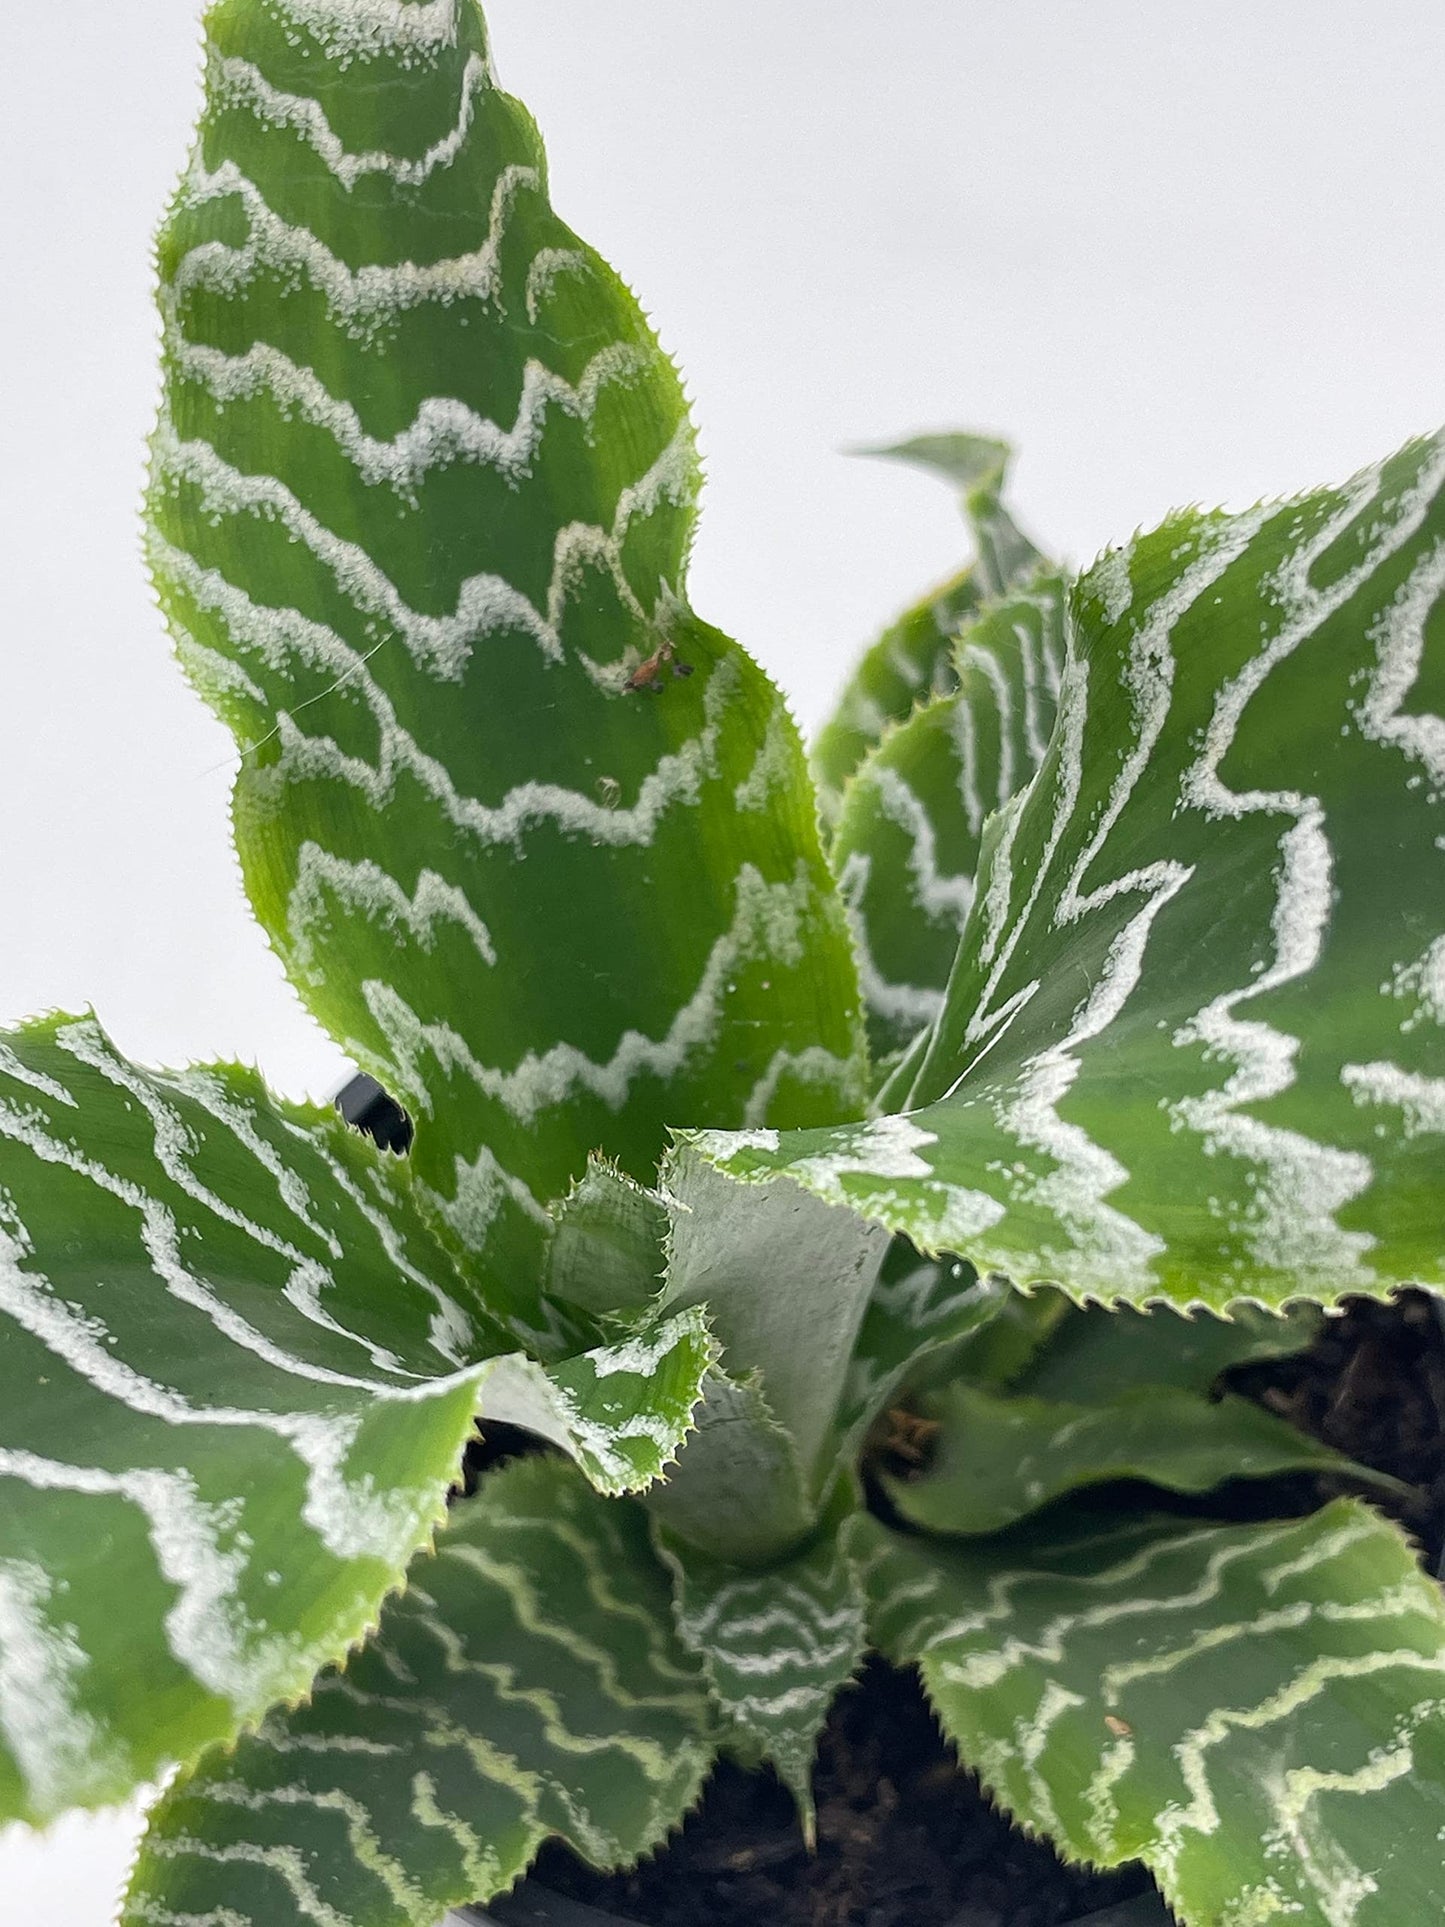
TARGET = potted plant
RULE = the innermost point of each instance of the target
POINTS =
(848, 1177)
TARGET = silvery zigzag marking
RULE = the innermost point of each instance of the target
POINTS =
(767, 922)
(160, 1237)
(232, 82)
(998, 1605)
(1113, 1680)
(913, 1004)
(599, 1592)
(1201, 1815)
(347, 30)
(450, 1330)
(275, 634)
(1301, 1185)
(208, 1089)
(973, 655)
(63, 1755)
(173, 1143)
(360, 300)
(517, 1587)
(357, 1819)
(964, 732)
(813, 1064)
(444, 429)
(1087, 1173)
(1398, 635)
(207, 1632)
(287, 1863)
(360, 884)
(938, 896)
(773, 765)
(440, 645)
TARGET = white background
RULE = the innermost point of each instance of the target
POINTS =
(1178, 253)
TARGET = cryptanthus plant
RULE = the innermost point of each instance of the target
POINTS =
(1094, 977)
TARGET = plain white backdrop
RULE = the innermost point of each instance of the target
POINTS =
(1176, 253)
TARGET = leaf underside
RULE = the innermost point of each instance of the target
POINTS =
(1255, 1711)
(1193, 1044)
(422, 494)
(527, 1684)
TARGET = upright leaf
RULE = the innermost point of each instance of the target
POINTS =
(422, 495)
(1257, 1712)
(912, 661)
(907, 842)
(528, 1683)
(1194, 1045)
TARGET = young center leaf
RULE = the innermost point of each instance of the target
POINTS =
(1194, 1043)
(912, 661)
(534, 843)
(528, 1683)
(1255, 1711)
(907, 841)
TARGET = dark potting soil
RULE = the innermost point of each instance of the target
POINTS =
(904, 1840)
(907, 1840)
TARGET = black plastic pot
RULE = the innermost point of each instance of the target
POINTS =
(532, 1905)
(362, 1102)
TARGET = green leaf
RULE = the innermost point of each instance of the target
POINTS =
(609, 1240)
(528, 1683)
(1193, 1045)
(1091, 1354)
(906, 847)
(423, 491)
(912, 660)
(622, 1410)
(786, 1282)
(997, 1458)
(924, 1314)
(237, 1372)
(978, 466)
(1257, 1712)
(738, 1491)
(238, 1375)
(776, 1645)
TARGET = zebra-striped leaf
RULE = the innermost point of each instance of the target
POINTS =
(997, 1458)
(422, 494)
(1257, 1712)
(238, 1372)
(528, 1683)
(912, 660)
(1194, 1044)
(776, 1644)
(907, 842)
